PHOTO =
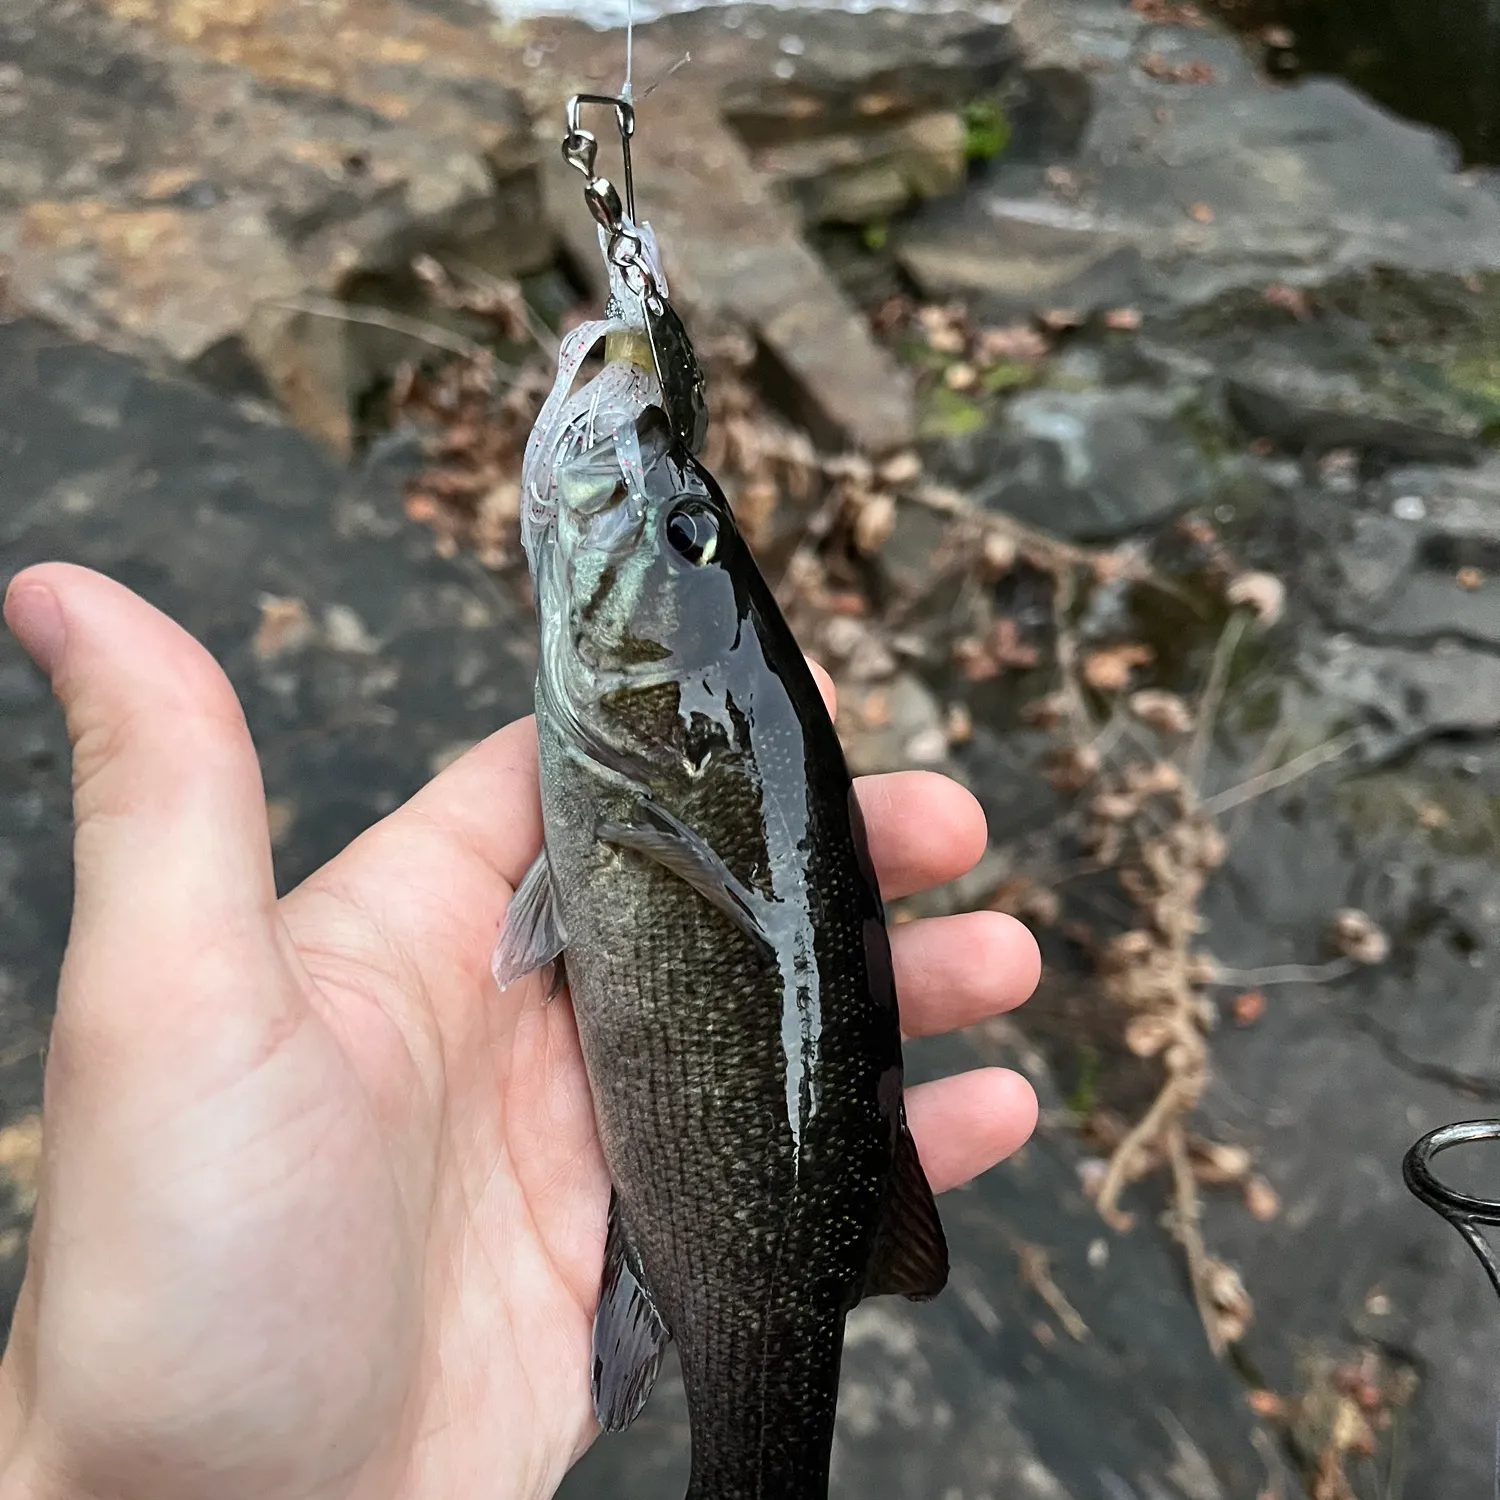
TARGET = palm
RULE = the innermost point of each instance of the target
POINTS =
(325, 1212)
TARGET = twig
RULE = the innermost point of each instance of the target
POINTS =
(1063, 594)
(1036, 1272)
(1185, 1202)
(1293, 770)
(1275, 1479)
(1265, 760)
(542, 336)
(1213, 696)
(1145, 1130)
(391, 322)
(1049, 553)
(1258, 979)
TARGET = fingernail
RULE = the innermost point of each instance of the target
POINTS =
(36, 620)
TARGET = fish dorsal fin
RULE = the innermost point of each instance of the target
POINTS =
(911, 1251)
(533, 935)
(629, 1334)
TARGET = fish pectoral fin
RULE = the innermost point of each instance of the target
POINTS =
(911, 1251)
(533, 935)
(629, 1334)
(675, 847)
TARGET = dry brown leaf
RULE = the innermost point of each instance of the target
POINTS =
(1108, 670)
(874, 524)
(285, 626)
(961, 377)
(1289, 299)
(1165, 712)
(1267, 1405)
(1262, 593)
(1164, 70)
(1261, 1200)
(1248, 1007)
(1018, 341)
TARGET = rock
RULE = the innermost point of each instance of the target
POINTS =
(1413, 694)
(232, 164)
(1333, 1084)
(1180, 191)
(891, 726)
(822, 74)
(914, 554)
(1361, 403)
(1084, 464)
(866, 178)
(1394, 566)
(267, 550)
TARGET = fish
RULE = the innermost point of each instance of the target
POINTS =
(705, 887)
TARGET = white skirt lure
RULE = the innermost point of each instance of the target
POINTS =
(572, 422)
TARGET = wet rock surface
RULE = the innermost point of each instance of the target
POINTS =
(1086, 464)
(1197, 175)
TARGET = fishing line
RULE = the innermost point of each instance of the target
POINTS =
(629, 47)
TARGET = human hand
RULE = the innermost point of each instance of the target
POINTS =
(322, 1213)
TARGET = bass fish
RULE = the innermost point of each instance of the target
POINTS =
(706, 887)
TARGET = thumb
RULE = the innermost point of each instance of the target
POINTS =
(172, 857)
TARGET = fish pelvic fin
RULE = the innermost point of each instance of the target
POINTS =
(910, 1258)
(661, 837)
(533, 935)
(629, 1333)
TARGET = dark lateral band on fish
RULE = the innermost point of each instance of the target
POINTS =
(706, 888)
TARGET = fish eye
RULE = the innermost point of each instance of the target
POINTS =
(693, 531)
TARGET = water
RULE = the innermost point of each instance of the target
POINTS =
(1435, 61)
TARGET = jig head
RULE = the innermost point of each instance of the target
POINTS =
(683, 386)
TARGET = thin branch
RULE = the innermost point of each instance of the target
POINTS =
(1185, 1196)
(1296, 768)
(391, 322)
(1259, 979)
(1145, 1130)
(1213, 696)
(542, 336)
(1036, 1272)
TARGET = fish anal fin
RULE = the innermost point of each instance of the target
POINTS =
(533, 935)
(910, 1258)
(675, 847)
(629, 1334)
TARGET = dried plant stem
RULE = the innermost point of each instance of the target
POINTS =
(1172, 1098)
(1259, 979)
(1296, 768)
(1187, 1211)
(391, 322)
(1036, 1272)
(1213, 696)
